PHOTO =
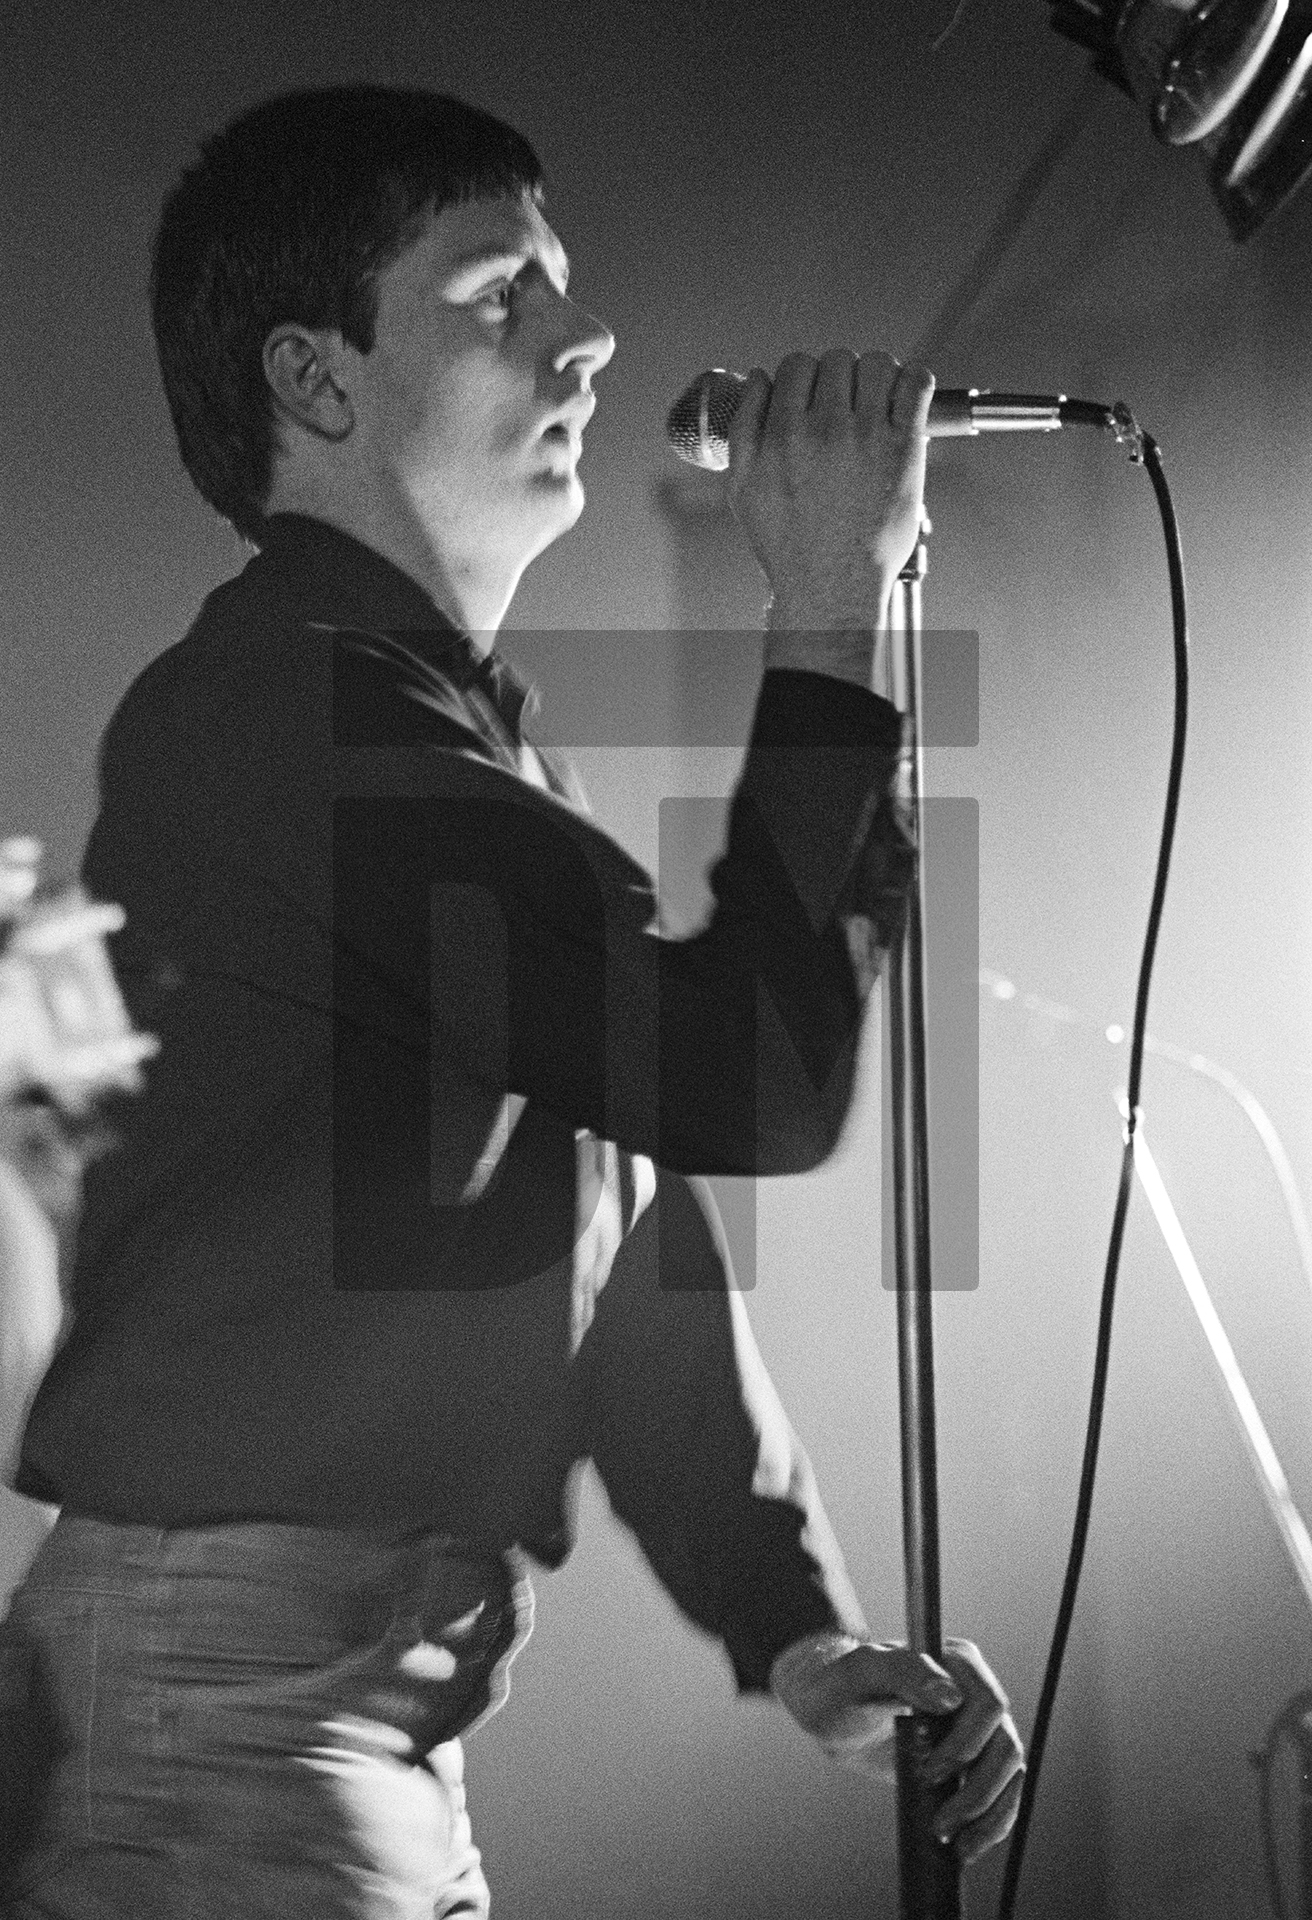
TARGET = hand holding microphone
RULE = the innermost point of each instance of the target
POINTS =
(827, 483)
(697, 426)
(826, 477)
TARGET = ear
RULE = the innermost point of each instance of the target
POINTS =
(300, 365)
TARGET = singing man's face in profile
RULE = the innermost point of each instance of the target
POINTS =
(473, 401)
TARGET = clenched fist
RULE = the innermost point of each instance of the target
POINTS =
(826, 477)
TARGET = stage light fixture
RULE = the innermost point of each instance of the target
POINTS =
(1230, 77)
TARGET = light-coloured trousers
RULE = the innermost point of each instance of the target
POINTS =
(245, 1721)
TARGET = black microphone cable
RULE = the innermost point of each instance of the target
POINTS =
(1145, 452)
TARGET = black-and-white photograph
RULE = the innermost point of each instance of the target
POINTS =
(656, 960)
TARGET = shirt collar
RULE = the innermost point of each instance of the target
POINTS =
(337, 580)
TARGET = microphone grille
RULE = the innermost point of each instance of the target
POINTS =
(697, 426)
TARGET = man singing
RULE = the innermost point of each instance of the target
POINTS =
(406, 1222)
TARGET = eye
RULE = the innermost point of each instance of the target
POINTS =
(499, 298)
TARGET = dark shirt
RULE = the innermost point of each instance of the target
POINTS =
(382, 1243)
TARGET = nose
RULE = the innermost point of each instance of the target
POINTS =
(589, 342)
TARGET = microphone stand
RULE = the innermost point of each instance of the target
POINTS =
(697, 428)
(929, 1874)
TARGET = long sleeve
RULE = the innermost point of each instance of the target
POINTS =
(694, 1449)
(731, 1051)
(392, 982)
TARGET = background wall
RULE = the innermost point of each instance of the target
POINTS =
(731, 183)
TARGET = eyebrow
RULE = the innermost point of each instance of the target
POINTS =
(502, 256)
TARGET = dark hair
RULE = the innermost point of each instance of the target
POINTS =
(290, 213)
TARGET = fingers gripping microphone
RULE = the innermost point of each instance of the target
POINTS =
(698, 423)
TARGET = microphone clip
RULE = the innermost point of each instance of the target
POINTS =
(1128, 432)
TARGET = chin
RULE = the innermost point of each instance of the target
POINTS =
(559, 497)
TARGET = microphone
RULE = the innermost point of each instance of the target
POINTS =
(698, 423)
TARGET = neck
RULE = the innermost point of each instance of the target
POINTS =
(473, 594)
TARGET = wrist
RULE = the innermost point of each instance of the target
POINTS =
(843, 600)
(795, 1669)
(857, 653)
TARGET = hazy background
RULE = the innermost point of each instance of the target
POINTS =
(732, 183)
